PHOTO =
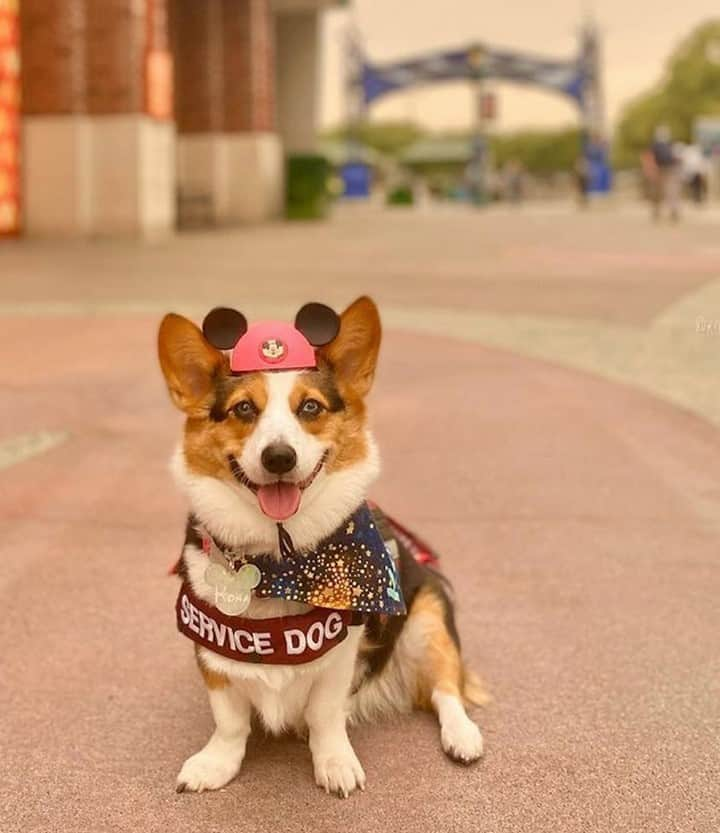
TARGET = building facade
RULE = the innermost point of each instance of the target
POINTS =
(125, 117)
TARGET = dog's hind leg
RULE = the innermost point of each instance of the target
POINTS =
(441, 679)
(219, 761)
(460, 737)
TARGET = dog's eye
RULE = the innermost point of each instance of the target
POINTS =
(309, 408)
(245, 410)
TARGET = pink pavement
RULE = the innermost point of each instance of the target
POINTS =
(576, 518)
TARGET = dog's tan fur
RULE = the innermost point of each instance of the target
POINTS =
(442, 667)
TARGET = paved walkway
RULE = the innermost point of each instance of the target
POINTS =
(605, 266)
(605, 291)
(578, 519)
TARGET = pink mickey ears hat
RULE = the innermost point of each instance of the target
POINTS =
(271, 345)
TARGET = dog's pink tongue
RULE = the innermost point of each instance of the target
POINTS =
(279, 501)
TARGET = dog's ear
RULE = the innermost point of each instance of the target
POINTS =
(354, 351)
(189, 364)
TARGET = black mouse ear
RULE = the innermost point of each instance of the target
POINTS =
(223, 327)
(318, 323)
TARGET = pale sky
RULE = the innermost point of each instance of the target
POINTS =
(638, 35)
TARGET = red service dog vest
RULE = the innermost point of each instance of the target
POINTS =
(285, 640)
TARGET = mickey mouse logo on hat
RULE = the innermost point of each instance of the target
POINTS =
(273, 349)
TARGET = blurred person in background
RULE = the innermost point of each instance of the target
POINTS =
(581, 173)
(694, 172)
(665, 169)
(514, 179)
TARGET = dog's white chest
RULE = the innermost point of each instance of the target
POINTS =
(280, 709)
(279, 695)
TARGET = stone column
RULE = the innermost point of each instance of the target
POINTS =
(99, 148)
(252, 149)
(229, 157)
(297, 39)
(196, 29)
(133, 162)
(56, 134)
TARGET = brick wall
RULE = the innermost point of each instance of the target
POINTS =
(115, 47)
(224, 64)
(88, 56)
(248, 37)
(52, 36)
(196, 37)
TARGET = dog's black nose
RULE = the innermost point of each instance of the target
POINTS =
(279, 458)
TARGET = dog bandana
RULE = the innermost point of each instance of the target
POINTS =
(351, 569)
(354, 566)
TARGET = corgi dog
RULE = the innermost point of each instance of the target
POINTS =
(276, 457)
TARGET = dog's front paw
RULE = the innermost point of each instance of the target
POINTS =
(461, 740)
(207, 770)
(340, 772)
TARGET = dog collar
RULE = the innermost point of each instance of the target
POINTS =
(284, 640)
(351, 569)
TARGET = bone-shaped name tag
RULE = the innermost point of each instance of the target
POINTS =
(233, 590)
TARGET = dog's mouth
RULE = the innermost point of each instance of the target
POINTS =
(280, 499)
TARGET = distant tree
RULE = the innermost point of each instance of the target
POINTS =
(690, 87)
(635, 129)
(541, 152)
(387, 137)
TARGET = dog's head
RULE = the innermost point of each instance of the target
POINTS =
(268, 446)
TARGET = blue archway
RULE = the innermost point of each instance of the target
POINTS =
(577, 78)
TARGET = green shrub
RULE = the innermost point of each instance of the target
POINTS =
(400, 195)
(306, 187)
(541, 151)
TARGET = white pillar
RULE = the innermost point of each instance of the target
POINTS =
(297, 40)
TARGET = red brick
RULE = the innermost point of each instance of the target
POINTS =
(53, 56)
(197, 45)
(248, 37)
(115, 56)
(89, 56)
